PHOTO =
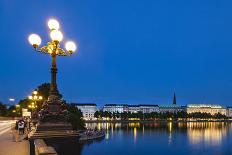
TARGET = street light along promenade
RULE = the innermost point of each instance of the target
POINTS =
(53, 105)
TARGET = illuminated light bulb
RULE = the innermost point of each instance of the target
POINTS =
(35, 97)
(34, 40)
(35, 92)
(70, 46)
(56, 35)
(53, 24)
(40, 97)
(30, 97)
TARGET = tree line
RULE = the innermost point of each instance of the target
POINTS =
(155, 115)
(75, 115)
(7, 111)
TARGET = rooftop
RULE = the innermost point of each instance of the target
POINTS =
(204, 106)
(84, 104)
(148, 105)
(115, 105)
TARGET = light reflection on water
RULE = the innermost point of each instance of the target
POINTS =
(210, 133)
(163, 138)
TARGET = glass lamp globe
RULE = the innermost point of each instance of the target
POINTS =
(35, 92)
(56, 35)
(30, 97)
(70, 46)
(53, 24)
(34, 40)
(40, 97)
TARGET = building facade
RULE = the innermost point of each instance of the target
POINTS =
(229, 112)
(206, 108)
(87, 109)
(133, 108)
(147, 108)
(120, 108)
(115, 108)
(172, 108)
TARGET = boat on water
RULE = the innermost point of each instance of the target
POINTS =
(91, 135)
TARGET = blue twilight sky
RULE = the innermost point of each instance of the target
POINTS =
(130, 51)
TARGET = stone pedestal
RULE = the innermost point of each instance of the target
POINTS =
(58, 135)
(63, 145)
(53, 127)
(53, 110)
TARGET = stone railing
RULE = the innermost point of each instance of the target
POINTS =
(41, 148)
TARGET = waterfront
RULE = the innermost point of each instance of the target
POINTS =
(181, 138)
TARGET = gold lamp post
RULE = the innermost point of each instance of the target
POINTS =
(53, 49)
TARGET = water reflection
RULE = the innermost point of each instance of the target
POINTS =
(135, 134)
(170, 133)
(209, 133)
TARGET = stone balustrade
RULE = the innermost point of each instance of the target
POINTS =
(41, 148)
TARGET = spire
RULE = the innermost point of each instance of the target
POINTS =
(174, 99)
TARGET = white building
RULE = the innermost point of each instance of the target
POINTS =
(148, 108)
(206, 108)
(120, 108)
(229, 112)
(114, 108)
(133, 108)
(87, 109)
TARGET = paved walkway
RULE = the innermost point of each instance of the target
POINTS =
(6, 126)
(8, 146)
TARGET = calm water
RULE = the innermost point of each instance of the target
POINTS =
(161, 138)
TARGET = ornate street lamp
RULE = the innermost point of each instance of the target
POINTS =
(53, 49)
(35, 97)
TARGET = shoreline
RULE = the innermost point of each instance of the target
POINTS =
(150, 121)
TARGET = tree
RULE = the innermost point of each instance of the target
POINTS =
(97, 114)
(10, 112)
(24, 103)
(75, 117)
(44, 90)
(3, 109)
(219, 116)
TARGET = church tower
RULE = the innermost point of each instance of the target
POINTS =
(174, 99)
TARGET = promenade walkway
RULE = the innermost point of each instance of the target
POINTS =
(8, 146)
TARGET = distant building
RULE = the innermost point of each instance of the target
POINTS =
(133, 108)
(120, 108)
(206, 108)
(114, 108)
(171, 108)
(147, 108)
(174, 108)
(87, 109)
(229, 112)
